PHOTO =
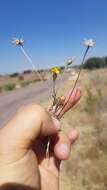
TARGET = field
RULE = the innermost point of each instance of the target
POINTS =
(18, 80)
(87, 167)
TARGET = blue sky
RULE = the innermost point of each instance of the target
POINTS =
(53, 31)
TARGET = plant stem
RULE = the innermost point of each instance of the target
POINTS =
(30, 61)
(75, 81)
(54, 91)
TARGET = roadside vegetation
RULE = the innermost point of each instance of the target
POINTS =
(19, 80)
(87, 167)
(95, 63)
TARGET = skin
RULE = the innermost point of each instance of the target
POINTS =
(23, 162)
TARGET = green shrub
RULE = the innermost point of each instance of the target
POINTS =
(97, 79)
(21, 77)
(1, 89)
(36, 80)
(90, 99)
(10, 86)
(24, 83)
(99, 92)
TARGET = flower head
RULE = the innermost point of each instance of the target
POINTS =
(59, 102)
(56, 70)
(18, 42)
(70, 61)
(63, 98)
(71, 97)
(89, 43)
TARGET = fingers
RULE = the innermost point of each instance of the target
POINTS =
(62, 149)
(73, 135)
(72, 98)
(27, 124)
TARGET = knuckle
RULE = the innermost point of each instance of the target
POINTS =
(37, 109)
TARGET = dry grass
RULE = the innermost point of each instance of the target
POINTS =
(87, 167)
(21, 80)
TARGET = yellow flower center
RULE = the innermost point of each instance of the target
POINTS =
(56, 70)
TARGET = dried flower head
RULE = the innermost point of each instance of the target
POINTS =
(63, 98)
(70, 61)
(18, 42)
(89, 43)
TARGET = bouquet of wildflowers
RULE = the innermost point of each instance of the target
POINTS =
(60, 104)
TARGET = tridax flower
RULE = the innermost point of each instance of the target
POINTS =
(70, 61)
(89, 43)
(56, 70)
(18, 42)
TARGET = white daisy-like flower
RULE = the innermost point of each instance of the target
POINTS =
(18, 42)
(89, 43)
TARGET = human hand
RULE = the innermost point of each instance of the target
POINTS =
(23, 162)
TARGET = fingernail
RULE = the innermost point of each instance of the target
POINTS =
(65, 150)
(56, 123)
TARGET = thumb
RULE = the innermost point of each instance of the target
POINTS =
(28, 124)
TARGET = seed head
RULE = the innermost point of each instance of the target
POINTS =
(18, 42)
(89, 43)
(70, 61)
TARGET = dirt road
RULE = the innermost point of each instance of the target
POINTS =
(11, 101)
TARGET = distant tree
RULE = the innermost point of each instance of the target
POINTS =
(27, 71)
(95, 63)
(105, 61)
(14, 74)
